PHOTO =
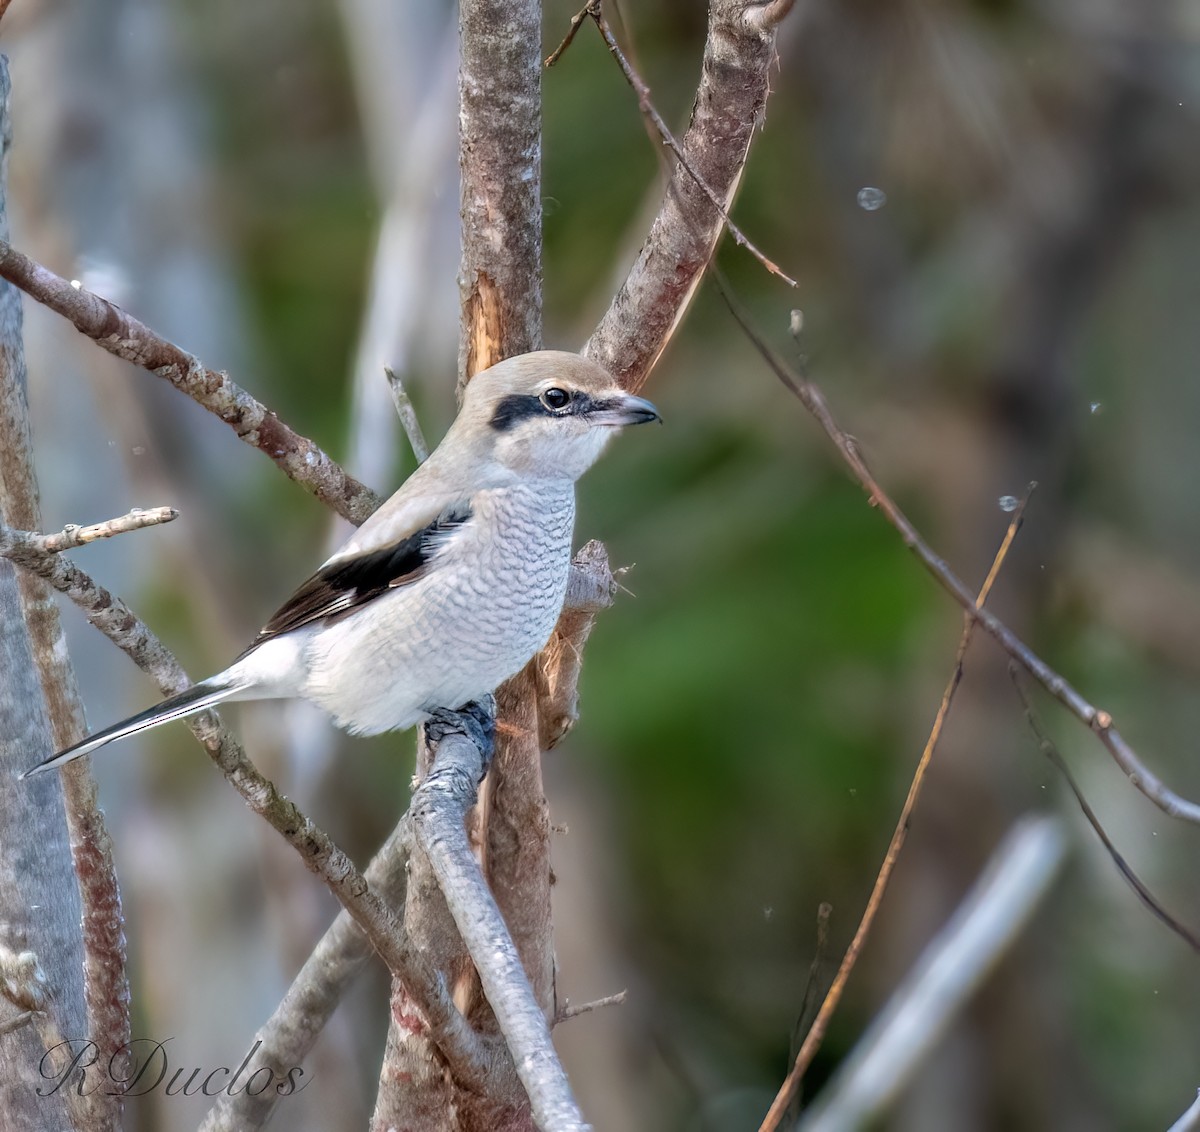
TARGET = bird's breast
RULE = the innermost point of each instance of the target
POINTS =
(487, 602)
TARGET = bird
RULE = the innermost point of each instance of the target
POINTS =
(454, 583)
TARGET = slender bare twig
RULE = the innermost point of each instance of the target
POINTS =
(566, 1012)
(572, 31)
(124, 336)
(1098, 720)
(803, 1025)
(1048, 748)
(730, 101)
(407, 415)
(766, 17)
(73, 535)
(816, 1034)
(982, 928)
(460, 1046)
(439, 810)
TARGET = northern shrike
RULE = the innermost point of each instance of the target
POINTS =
(454, 583)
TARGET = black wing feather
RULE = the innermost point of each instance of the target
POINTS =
(341, 587)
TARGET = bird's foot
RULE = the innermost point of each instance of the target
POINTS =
(476, 720)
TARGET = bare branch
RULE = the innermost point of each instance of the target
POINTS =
(948, 972)
(572, 31)
(730, 103)
(765, 18)
(73, 535)
(124, 336)
(1048, 748)
(642, 91)
(816, 1034)
(1098, 720)
(439, 810)
(566, 1012)
(407, 415)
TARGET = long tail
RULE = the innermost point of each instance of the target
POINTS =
(194, 699)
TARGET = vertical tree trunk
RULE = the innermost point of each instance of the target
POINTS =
(39, 905)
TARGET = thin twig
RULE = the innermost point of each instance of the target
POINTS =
(731, 100)
(594, 10)
(566, 1012)
(816, 1033)
(124, 336)
(439, 810)
(1051, 751)
(568, 39)
(460, 1046)
(73, 535)
(1098, 720)
(407, 415)
(824, 912)
(982, 928)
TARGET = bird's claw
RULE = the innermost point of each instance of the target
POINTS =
(476, 720)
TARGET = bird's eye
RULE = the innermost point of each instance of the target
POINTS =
(556, 398)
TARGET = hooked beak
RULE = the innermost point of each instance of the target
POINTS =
(622, 409)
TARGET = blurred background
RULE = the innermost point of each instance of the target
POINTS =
(991, 208)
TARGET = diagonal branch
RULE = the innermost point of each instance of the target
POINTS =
(595, 10)
(439, 810)
(1096, 719)
(730, 102)
(1048, 748)
(125, 337)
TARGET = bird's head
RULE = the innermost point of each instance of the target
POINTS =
(547, 415)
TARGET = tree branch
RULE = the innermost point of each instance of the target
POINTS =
(439, 810)
(1100, 722)
(125, 337)
(730, 103)
(407, 415)
(73, 535)
(659, 127)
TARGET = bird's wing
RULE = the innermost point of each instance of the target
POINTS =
(354, 577)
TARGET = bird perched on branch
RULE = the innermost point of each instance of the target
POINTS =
(454, 583)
